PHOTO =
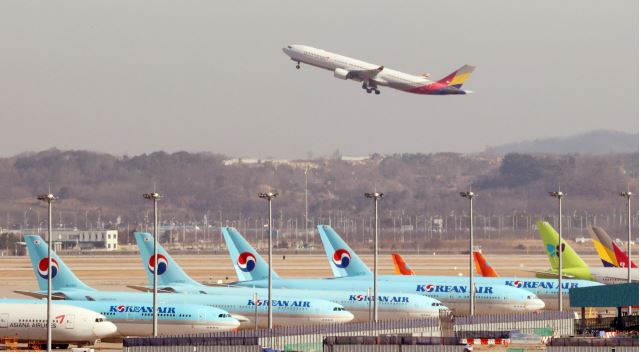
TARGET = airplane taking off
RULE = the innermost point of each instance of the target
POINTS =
(392, 305)
(69, 324)
(573, 265)
(372, 76)
(286, 311)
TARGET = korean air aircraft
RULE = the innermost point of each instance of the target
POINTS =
(453, 294)
(391, 305)
(69, 324)
(135, 319)
(286, 311)
(372, 76)
(352, 266)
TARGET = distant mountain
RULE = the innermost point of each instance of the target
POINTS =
(598, 142)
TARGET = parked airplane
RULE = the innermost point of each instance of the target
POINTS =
(481, 265)
(392, 305)
(609, 252)
(286, 311)
(545, 290)
(135, 319)
(252, 272)
(372, 76)
(69, 325)
(573, 266)
(400, 266)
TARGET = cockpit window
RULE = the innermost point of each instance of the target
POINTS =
(98, 319)
(339, 309)
(289, 46)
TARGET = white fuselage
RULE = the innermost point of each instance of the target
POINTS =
(614, 275)
(332, 61)
(69, 324)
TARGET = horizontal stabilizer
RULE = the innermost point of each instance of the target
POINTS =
(36, 295)
(145, 289)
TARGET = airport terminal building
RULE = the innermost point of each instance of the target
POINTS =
(106, 240)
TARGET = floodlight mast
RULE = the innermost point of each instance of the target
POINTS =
(628, 195)
(376, 196)
(154, 197)
(49, 198)
(269, 196)
(470, 196)
(560, 195)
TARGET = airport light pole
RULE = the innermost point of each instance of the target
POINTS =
(48, 198)
(470, 196)
(269, 196)
(559, 195)
(306, 211)
(154, 197)
(376, 196)
(629, 195)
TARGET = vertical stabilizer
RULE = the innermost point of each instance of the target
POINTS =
(603, 246)
(169, 272)
(551, 243)
(248, 264)
(400, 266)
(483, 267)
(61, 276)
(342, 259)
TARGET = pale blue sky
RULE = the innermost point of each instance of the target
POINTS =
(139, 76)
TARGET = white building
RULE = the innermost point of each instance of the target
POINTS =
(85, 239)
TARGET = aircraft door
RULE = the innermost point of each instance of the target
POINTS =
(69, 321)
(4, 320)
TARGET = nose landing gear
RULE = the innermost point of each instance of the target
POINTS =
(297, 65)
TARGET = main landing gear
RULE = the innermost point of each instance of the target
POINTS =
(370, 86)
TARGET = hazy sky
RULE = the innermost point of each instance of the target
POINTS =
(128, 77)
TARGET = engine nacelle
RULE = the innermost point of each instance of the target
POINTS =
(341, 74)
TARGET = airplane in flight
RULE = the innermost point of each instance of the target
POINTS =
(573, 266)
(392, 305)
(372, 76)
(69, 325)
(609, 252)
(286, 311)
(135, 319)
(453, 294)
(546, 290)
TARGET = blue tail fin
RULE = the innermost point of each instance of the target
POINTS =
(249, 265)
(169, 272)
(61, 276)
(342, 259)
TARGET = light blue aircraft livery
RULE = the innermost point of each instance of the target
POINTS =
(286, 311)
(453, 293)
(172, 278)
(135, 319)
(351, 267)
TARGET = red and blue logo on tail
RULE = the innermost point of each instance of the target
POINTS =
(246, 261)
(341, 258)
(162, 264)
(43, 268)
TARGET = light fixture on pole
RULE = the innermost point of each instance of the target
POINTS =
(470, 196)
(269, 196)
(559, 250)
(154, 197)
(629, 195)
(376, 196)
(49, 198)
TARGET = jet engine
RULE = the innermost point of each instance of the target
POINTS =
(341, 74)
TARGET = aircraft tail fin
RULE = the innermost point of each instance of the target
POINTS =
(483, 267)
(622, 257)
(551, 243)
(458, 78)
(169, 272)
(61, 276)
(342, 259)
(400, 266)
(603, 245)
(248, 264)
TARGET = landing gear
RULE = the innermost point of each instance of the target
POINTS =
(297, 65)
(370, 86)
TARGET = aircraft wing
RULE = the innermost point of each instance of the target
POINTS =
(552, 274)
(54, 296)
(147, 289)
(364, 74)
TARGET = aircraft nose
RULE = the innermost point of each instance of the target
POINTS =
(535, 305)
(230, 324)
(104, 329)
(345, 317)
(288, 50)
